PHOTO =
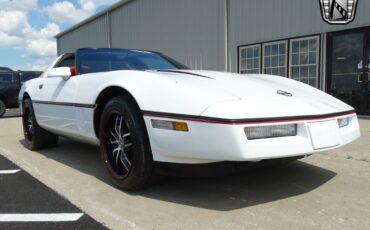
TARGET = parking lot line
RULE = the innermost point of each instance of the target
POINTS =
(9, 171)
(56, 217)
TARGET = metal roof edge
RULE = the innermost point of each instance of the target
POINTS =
(93, 17)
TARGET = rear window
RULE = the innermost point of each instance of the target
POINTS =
(6, 77)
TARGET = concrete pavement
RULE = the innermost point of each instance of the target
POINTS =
(325, 191)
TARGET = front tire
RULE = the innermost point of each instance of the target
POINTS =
(124, 145)
(2, 108)
(35, 137)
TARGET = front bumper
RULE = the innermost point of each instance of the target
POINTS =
(212, 142)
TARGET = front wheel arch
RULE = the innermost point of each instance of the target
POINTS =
(104, 97)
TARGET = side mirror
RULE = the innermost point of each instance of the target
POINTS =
(64, 72)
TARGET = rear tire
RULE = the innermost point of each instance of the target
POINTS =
(35, 137)
(124, 145)
(2, 108)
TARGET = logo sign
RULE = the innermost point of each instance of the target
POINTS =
(338, 11)
(284, 93)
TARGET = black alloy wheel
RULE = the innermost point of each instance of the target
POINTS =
(35, 137)
(124, 145)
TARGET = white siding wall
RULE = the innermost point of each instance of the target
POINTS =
(190, 31)
(93, 34)
(194, 31)
(252, 21)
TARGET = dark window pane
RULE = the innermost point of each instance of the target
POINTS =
(304, 80)
(243, 64)
(312, 82)
(304, 71)
(312, 72)
(295, 59)
(295, 72)
(243, 53)
(275, 71)
(312, 58)
(295, 47)
(267, 61)
(303, 58)
(313, 44)
(303, 46)
(282, 60)
(249, 63)
(275, 49)
(249, 52)
(267, 50)
(282, 48)
(268, 71)
(256, 52)
(256, 63)
(274, 61)
(282, 72)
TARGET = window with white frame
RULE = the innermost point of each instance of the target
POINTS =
(249, 59)
(275, 58)
(304, 60)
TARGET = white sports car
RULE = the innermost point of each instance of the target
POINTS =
(142, 107)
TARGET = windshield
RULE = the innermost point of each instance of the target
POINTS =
(103, 60)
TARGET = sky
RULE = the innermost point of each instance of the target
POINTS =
(28, 27)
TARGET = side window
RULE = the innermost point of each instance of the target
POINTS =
(26, 76)
(6, 77)
(66, 62)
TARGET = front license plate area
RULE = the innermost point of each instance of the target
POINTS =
(324, 134)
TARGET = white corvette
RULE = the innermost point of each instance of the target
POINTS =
(141, 107)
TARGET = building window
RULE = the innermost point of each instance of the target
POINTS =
(249, 59)
(275, 58)
(304, 59)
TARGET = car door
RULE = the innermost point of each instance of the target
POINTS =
(13, 90)
(9, 87)
(54, 105)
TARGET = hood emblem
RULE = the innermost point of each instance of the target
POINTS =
(284, 93)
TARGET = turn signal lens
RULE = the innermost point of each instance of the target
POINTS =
(180, 126)
(170, 125)
(270, 131)
(342, 122)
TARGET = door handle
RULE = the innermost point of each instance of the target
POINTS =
(41, 86)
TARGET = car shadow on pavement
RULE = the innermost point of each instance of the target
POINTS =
(223, 193)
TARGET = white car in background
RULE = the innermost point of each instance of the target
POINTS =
(142, 107)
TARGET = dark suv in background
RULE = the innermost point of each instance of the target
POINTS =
(10, 84)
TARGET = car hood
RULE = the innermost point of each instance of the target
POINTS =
(241, 96)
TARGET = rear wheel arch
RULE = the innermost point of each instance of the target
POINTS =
(26, 96)
(104, 97)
